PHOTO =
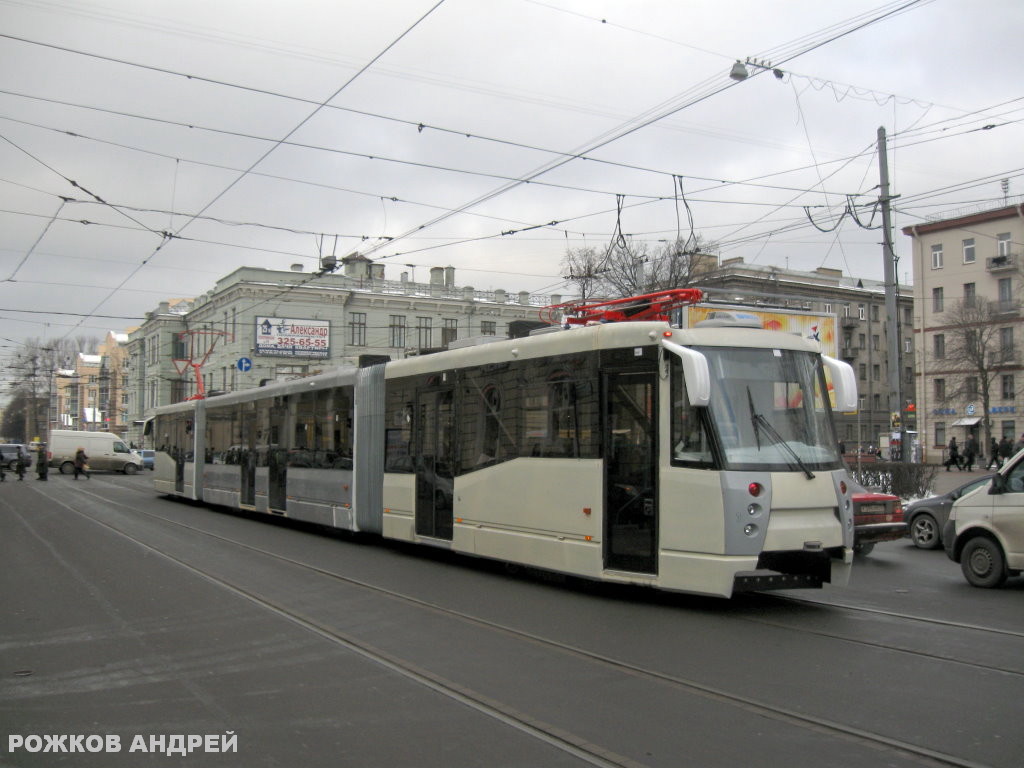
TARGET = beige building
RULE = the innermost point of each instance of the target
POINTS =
(259, 325)
(967, 324)
(92, 396)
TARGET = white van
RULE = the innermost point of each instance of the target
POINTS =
(105, 451)
(985, 530)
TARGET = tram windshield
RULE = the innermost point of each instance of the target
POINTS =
(770, 410)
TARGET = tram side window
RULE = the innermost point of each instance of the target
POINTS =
(560, 408)
(398, 408)
(322, 430)
(690, 444)
(222, 436)
(488, 417)
(172, 434)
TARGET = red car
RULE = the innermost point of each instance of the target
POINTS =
(876, 517)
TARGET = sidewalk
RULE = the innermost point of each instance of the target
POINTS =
(947, 481)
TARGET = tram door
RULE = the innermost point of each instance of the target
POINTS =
(434, 448)
(630, 474)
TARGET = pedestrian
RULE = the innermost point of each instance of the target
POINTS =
(42, 463)
(953, 455)
(1005, 450)
(81, 467)
(970, 451)
(1019, 444)
(19, 464)
(993, 451)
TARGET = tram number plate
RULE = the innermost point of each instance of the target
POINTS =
(873, 509)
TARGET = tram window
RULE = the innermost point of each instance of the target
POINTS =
(488, 416)
(690, 444)
(560, 408)
(398, 408)
(222, 435)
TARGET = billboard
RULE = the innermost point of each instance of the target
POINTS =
(285, 337)
(819, 327)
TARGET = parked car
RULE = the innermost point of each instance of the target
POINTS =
(148, 458)
(876, 517)
(926, 517)
(985, 529)
(9, 454)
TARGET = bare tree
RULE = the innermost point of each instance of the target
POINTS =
(976, 354)
(628, 268)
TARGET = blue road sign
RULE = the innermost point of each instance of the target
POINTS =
(243, 364)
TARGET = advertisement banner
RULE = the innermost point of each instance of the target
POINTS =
(284, 337)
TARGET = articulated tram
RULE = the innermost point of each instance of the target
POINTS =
(700, 460)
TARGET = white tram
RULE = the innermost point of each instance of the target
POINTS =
(699, 460)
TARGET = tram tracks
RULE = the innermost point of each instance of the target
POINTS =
(575, 745)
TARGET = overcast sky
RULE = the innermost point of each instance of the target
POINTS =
(262, 133)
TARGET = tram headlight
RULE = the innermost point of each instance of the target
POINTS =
(754, 510)
(750, 529)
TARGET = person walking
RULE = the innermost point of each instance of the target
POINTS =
(970, 451)
(81, 467)
(953, 455)
(1005, 450)
(42, 463)
(993, 452)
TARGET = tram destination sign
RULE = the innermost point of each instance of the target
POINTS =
(286, 337)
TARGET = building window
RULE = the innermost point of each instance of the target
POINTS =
(969, 256)
(874, 341)
(908, 346)
(1009, 393)
(876, 402)
(937, 256)
(937, 300)
(1003, 244)
(874, 313)
(861, 312)
(1006, 343)
(908, 316)
(969, 294)
(939, 346)
(940, 434)
(1009, 430)
(863, 339)
(876, 372)
(357, 329)
(424, 332)
(863, 370)
(488, 328)
(450, 332)
(1005, 294)
(940, 389)
(828, 308)
(971, 386)
(396, 331)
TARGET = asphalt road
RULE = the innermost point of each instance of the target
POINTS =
(127, 615)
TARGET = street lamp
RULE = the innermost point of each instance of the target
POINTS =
(739, 71)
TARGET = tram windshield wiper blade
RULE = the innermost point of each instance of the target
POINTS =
(760, 422)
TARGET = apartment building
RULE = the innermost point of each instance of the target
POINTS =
(967, 323)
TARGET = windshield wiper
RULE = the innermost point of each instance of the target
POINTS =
(760, 422)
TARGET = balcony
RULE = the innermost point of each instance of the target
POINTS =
(1006, 307)
(849, 321)
(849, 353)
(1002, 263)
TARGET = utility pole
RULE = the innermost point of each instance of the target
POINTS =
(891, 300)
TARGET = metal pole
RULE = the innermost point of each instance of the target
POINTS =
(891, 303)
